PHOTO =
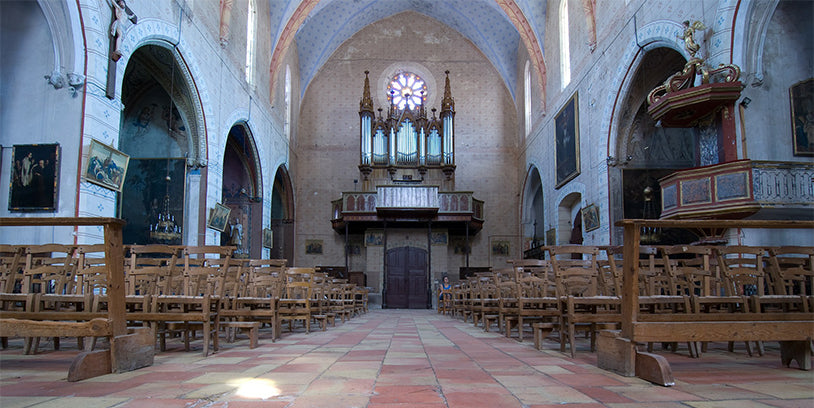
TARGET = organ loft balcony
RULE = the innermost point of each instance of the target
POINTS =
(407, 205)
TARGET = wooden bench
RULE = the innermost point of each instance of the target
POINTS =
(127, 349)
(617, 350)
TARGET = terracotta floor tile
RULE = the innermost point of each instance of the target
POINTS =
(587, 380)
(795, 403)
(471, 399)
(419, 394)
(399, 359)
(340, 386)
(157, 403)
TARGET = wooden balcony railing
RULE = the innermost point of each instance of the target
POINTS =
(739, 189)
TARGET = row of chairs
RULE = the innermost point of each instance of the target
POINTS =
(175, 290)
(579, 287)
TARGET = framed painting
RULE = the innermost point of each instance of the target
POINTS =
(313, 246)
(34, 177)
(551, 237)
(218, 217)
(374, 238)
(500, 248)
(567, 136)
(107, 166)
(439, 238)
(802, 117)
(267, 238)
(590, 217)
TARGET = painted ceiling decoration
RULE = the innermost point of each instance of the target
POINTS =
(495, 27)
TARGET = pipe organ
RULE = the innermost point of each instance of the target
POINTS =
(407, 137)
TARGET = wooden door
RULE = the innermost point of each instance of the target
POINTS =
(407, 278)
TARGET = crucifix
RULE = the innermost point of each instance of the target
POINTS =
(120, 13)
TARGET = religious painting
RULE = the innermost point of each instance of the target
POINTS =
(567, 136)
(218, 217)
(107, 166)
(500, 248)
(313, 246)
(551, 237)
(153, 202)
(590, 217)
(802, 116)
(355, 247)
(267, 238)
(438, 238)
(458, 246)
(374, 238)
(34, 177)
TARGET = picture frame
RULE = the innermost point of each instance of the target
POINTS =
(218, 217)
(374, 238)
(107, 167)
(34, 177)
(590, 218)
(501, 248)
(313, 246)
(439, 238)
(801, 97)
(551, 236)
(458, 246)
(566, 124)
(268, 236)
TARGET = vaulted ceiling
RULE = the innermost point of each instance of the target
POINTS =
(319, 27)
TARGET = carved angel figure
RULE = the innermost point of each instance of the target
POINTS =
(689, 31)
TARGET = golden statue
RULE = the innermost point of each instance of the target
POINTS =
(689, 31)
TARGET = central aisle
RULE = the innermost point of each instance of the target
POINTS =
(397, 358)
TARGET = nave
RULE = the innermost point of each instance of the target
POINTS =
(398, 358)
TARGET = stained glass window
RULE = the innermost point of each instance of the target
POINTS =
(407, 89)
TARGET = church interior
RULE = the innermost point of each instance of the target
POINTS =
(392, 143)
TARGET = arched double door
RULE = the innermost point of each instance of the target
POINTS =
(407, 278)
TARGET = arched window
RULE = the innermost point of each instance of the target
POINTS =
(251, 29)
(565, 46)
(287, 119)
(527, 95)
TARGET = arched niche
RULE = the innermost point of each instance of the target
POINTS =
(569, 222)
(242, 192)
(646, 151)
(533, 210)
(159, 130)
(282, 216)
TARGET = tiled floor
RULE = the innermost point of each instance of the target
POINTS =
(400, 358)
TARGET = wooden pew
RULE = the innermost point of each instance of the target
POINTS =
(617, 350)
(127, 350)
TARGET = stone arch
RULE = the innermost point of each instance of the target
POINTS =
(66, 33)
(750, 25)
(160, 33)
(282, 215)
(242, 192)
(567, 211)
(533, 208)
(657, 34)
(569, 199)
(660, 33)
